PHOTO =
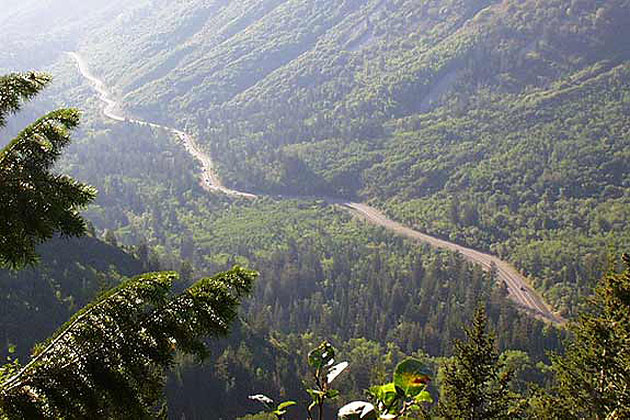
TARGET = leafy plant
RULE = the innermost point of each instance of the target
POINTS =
(321, 361)
(407, 391)
(279, 411)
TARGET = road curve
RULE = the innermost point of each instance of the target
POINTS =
(518, 287)
(113, 110)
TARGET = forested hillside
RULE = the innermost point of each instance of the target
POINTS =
(499, 125)
(324, 273)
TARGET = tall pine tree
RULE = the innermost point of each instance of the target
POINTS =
(475, 385)
(593, 377)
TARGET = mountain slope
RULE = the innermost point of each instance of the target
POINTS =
(499, 125)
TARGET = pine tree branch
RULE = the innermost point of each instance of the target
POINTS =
(35, 202)
(89, 357)
(8, 385)
(16, 88)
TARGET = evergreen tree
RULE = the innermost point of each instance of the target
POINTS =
(36, 203)
(475, 384)
(593, 377)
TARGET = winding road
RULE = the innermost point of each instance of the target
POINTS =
(112, 110)
(518, 287)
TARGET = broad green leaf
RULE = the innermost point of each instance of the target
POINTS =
(286, 404)
(423, 397)
(411, 376)
(385, 394)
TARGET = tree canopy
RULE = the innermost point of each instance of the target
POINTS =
(475, 384)
(593, 377)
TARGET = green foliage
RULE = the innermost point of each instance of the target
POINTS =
(593, 377)
(16, 88)
(474, 384)
(109, 360)
(36, 203)
(411, 377)
(406, 394)
(360, 274)
(498, 125)
(36, 300)
(354, 280)
(501, 125)
(278, 411)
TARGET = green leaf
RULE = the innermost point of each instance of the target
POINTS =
(411, 376)
(423, 397)
(321, 356)
(331, 393)
(286, 404)
(385, 394)
(282, 408)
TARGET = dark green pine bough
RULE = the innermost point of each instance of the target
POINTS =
(110, 359)
(35, 203)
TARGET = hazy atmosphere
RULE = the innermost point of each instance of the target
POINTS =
(314, 209)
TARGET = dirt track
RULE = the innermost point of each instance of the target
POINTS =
(518, 287)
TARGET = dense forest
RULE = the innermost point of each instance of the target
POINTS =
(475, 121)
(498, 125)
(324, 274)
